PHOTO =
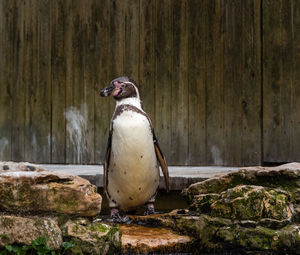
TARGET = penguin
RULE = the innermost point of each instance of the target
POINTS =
(131, 171)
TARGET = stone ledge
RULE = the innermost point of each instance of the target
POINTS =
(180, 176)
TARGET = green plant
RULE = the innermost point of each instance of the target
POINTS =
(37, 247)
(41, 247)
(68, 245)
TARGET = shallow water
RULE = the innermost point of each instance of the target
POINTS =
(165, 202)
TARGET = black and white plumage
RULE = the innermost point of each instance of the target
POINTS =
(131, 173)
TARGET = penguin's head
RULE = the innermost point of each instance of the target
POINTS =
(122, 87)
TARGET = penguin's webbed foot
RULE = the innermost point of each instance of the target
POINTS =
(149, 209)
(116, 218)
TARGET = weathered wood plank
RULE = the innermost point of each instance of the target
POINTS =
(163, 79)
(6, 70)
(89, 78)
(295, 91)
(60, 62)
(76, 109)
(18, 30)
(232, 80)
(117, 37)
(30, 77)
(215, 142)
(146, 56)
(271, 78)
(180, 92)
(38, 100)
(197, 82)
(279, 54)
(251, 80)
(132, 38)
(198, 64)
(103, 106)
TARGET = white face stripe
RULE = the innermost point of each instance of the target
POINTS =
(135, 101)
(136, 89)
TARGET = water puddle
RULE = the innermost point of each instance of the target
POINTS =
(165, 202)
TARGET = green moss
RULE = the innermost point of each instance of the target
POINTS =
(76, 250)
(203, 202)
(94, 238)
(98, 227)
(6, 196)
(64, 203)
(62, 219)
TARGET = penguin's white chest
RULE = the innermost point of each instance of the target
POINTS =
(133, 174)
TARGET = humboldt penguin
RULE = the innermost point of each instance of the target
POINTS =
(131, 172)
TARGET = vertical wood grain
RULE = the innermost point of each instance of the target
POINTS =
(76, 108)
(21, 63)
(146, 56)
(197, 47)
(117, 37)
(163, 79)
(60, 63)
(38, 82)
(6, 70)
(214, 58)
(251, 80)
(131, 39)
(281, 52)
(89, 78)
(103, 68)
(198, 64)
(295, 91)
(180, 93)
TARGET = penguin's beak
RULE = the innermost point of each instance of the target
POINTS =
(108, 90)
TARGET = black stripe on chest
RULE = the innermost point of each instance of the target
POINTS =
(127, 107)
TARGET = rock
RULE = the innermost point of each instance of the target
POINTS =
(255, 211)
(262, 205)
(249, 202)
(19, 166)
(286, 176)
(143, 240)
(27, 188)
(92, 237)
(250, 193)
(215, 234)
(23, 230)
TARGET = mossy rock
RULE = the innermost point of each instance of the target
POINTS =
(92, 237)
(23, 230)
(285, 177)
(249, 202)
(215, 234)
(202, 203)
(24, 189)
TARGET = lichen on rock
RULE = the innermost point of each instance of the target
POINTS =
(30, 188)
(37, 203)
(255, 211)
(92, 237)
(23, 230)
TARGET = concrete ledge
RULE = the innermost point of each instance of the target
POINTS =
(180, 176)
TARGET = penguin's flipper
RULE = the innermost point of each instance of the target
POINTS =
(162, 161)
(107, 159)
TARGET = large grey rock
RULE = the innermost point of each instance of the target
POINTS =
(26, 188)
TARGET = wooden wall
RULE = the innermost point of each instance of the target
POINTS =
(218, 78)
(281, 80)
